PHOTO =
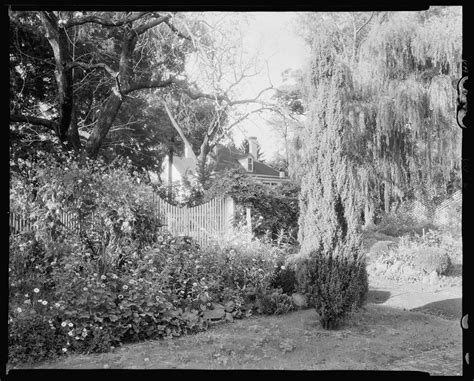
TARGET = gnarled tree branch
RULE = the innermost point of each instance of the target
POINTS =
(103, 20)
(19, 118)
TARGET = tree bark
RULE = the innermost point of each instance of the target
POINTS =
(58, 40)
(105, 121)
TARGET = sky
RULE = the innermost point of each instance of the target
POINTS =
(271, 38)
(272, 35)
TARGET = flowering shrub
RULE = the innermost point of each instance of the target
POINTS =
(110, 210)
(436, 250)
(66, 305)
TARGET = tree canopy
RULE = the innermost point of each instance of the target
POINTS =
(94, 82)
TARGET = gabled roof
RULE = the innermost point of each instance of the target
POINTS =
(263, 169)
(226, 158)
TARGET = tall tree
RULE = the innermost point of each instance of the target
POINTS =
(102, 60)
(327, 205)
(399, 132)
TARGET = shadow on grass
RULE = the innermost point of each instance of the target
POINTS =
(455, 270)
(448, 308)
(378, 297)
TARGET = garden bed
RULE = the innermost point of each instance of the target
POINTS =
(378, 337)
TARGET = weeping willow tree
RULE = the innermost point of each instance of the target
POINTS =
(398, 71)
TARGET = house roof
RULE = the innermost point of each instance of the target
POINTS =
(226, 158)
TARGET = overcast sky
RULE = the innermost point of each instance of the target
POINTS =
(273, 35)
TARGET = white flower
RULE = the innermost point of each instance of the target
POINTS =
(44, 302)
(103, 277)
(36, 290)
(120, 296)
(85, 289)
(102, 285)
(26, 295)
(27, 301)
(63, 324)
(131, 281)
(70, 333)
(57, 305)
(95, 274)
(19, 309)
(125, 287)
(64, 349)
(40, 300)
(77, 337)
(283, 267)
(70, 325)
(195, 284)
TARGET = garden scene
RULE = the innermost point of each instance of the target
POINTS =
(235, 190)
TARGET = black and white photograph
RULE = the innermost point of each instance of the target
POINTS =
(236, 190)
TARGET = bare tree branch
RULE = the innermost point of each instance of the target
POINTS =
(99, 65)
(363, 25)
(151, 84)
(103, 21)
(176, 31)
(143, 28)
(252, 100)
(33, 120)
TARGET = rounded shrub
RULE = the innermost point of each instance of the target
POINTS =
(431, 259)
(335, 284)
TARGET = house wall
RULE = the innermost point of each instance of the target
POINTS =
(243, 162)
(174, 171)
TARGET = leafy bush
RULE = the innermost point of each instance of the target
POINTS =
(274, 208)
(432, 259)
(111, 209)
(275, 303)
(114, 279)
(284, 277)
(334, 283)
(159, 292)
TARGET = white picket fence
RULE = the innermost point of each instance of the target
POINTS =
(19, 223)
(203, 222)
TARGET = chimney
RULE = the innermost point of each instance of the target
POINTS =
(252, 146)
(282, 173)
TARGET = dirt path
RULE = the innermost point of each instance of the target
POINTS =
(382, 336)
(443, 299)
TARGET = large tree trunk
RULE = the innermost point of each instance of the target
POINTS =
(59, 42)
(114, 102)
(102, 127)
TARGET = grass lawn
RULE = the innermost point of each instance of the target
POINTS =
(375, 338)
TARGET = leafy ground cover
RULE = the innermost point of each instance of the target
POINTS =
(385, 335)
